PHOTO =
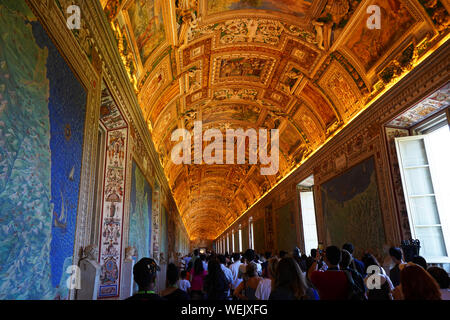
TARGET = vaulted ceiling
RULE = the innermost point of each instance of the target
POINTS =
(305, 67)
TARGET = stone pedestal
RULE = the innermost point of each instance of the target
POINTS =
(90, 280)
(127, 282)
(161, 278)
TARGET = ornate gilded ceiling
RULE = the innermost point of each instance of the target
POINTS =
(303, 67)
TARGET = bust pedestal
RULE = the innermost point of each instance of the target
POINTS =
(90, 280)
(127, 284)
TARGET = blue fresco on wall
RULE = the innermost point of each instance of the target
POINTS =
(42, 112)
(140, 233)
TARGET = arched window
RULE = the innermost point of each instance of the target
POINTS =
(232, 241)
(240, 238)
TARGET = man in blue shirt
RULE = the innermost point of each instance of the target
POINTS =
(356, 264)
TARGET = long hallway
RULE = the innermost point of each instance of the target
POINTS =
(134, 129)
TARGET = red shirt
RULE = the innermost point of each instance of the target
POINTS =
(332, 285)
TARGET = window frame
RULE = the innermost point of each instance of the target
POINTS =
(444, 220)
(232, 242)
(240, 238)
(300, 190)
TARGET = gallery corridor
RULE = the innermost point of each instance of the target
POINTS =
(134, 129)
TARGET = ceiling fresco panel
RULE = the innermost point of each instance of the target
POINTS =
(297, 8)
(147, 24)
(242, 68)
(369, 45)
(309, 123)
(339, 85)
(319, 104)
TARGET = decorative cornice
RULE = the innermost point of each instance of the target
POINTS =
(116, 74)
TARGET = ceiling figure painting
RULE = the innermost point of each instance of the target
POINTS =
(306, 68)
(368, 44)
(147, 23)
(294, 7)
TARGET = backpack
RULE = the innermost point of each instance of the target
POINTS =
(355, 293)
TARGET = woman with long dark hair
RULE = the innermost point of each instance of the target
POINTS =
(216, 285)
(172, 292)
(290, 282)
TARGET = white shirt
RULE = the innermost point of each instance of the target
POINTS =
(228, 275)
(227, 272)
(184, 285)
(234, 268)
(264, 288)
(205, 265)
(258, 268)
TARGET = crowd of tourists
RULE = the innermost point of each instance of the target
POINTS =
(330, 274)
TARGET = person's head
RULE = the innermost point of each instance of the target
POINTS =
(249, 255)
(396, 255)
(198, 266)
(272, 267)
(369, 260)
(183, 275)
(196, 252)
(289, 276)
(236, 257)
(346, 259)
(251, 270)
(418, 284)
(268, 255)
(172, 274)
(283, 254)
(441, 276)
(203, 257)
(221, 259)
(349, 247)
(313, 253)
(144, 272)
(333, 256)
(213, 267)
(420, 261)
